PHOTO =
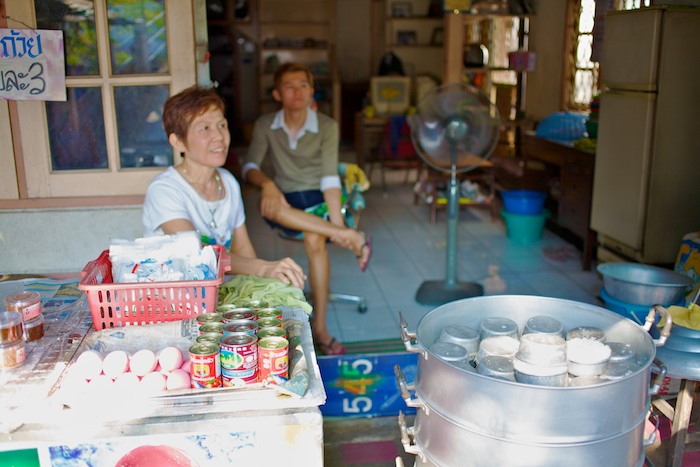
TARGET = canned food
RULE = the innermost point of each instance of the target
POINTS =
(34, 328)
(10, 327)
(27, 303)
(255, 304)
(205, 318)
(269, 312)
(224, 307)
(269, 323)
(205, 366)
(211, 328)
(273, 357)
(239, 359)
(238, 313)
(211, 337)
(240, 326)
(12, 355)
(271, 331)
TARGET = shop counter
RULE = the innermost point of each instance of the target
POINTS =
(44, 424)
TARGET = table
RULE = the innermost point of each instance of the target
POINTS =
(576, 170)
(210, 427)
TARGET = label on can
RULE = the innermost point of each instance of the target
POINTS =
(273, 357)
(240, 326)
(205, 318)
(271, 331)
(212, 327)
(269, 322)
(239, 358)
(269, 312)
(205, 367)
(238, 313)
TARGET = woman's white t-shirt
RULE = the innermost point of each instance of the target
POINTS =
(170, 197)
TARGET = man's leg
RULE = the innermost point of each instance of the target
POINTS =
(319, 278)
(296, 219)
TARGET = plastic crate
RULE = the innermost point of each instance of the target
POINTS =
(115, 305)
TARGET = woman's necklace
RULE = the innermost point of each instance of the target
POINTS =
(220, 192)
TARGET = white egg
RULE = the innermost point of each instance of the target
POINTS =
(127, 382)
(89, 364)
(143, 362)
(102, 383)
(160, 370)
(152, 383)
(179, 379)
(170, 358)
(115, 363)
(186, 366)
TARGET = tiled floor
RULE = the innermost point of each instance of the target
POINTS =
(408, 250)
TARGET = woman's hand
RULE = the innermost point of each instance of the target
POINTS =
(287, 270)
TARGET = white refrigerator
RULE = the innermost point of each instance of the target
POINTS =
(646, 188)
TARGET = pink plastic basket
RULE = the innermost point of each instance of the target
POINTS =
(114, 305)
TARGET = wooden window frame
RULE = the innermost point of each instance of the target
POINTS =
(31, 184)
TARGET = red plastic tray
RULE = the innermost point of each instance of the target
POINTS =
(115, 305)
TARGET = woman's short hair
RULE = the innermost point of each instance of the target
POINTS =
(291, 67)
(181, 109)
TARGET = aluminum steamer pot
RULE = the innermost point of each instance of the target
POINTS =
(465, 418)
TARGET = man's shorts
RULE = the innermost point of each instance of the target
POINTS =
(311, 201)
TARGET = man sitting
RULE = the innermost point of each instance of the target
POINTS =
(303, 147)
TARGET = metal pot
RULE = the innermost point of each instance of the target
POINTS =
(642, 284)
(444, 443)
(520, 417)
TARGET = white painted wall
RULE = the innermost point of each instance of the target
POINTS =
(62, 240)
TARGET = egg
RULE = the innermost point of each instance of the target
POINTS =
(170, 358)
(89, 364)
(101, 383)
(179, 379)
(186, 366)
(152, 383)
(127, 382)
(115, 363)
(143, 362)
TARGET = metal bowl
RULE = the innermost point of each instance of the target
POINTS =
(641, 284)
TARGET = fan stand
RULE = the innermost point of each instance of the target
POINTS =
(440, 292)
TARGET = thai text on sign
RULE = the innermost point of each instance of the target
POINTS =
(32, 65)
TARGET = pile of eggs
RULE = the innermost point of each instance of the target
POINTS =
(144, 371)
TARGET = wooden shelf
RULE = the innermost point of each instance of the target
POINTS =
(284, 27)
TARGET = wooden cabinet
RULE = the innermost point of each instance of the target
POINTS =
(302, 31)
(573, 203)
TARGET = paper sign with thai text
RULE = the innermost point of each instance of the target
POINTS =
(32, 65)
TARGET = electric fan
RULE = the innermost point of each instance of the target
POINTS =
(454, 129)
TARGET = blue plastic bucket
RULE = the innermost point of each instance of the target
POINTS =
(637, 313)
(525, 228)
(523, 201)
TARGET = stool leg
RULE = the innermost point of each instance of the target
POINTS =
(681, 419)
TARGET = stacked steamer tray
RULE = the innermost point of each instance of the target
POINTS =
(524, 215)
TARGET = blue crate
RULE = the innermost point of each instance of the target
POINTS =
(364, 385)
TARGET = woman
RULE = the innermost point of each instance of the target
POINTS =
(198, 194)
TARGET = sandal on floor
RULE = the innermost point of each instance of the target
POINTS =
(368, 245)
(327, 349)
